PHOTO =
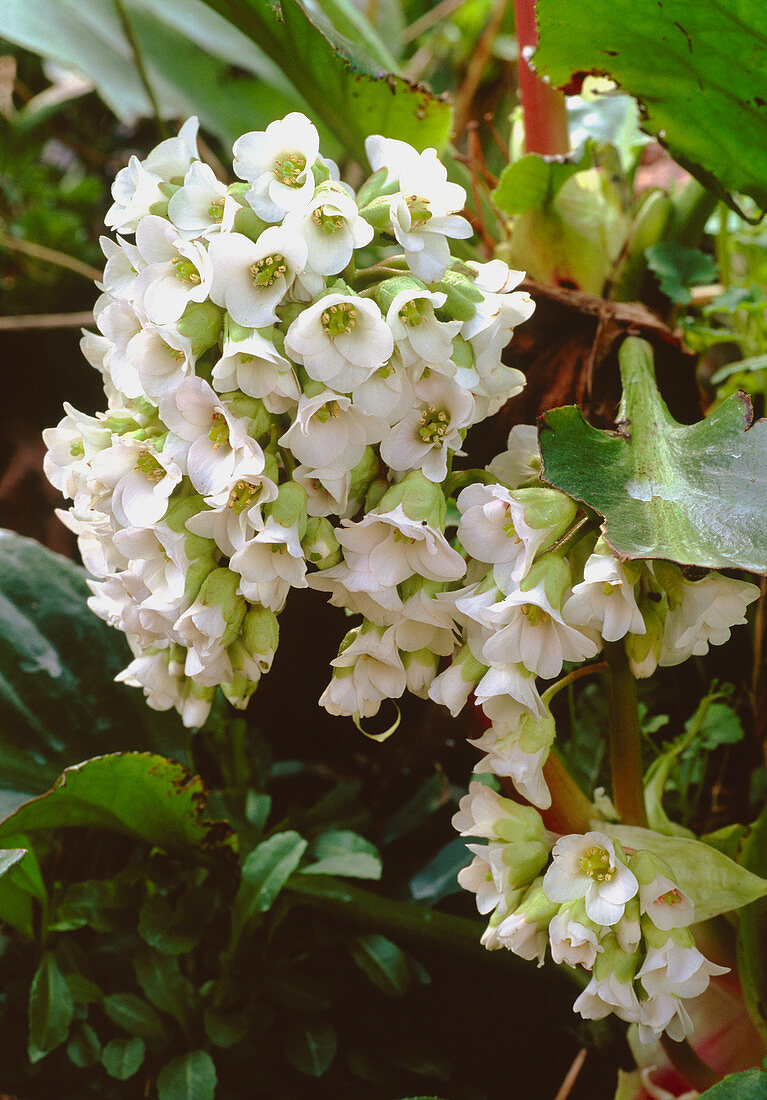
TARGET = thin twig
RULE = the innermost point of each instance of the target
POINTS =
(440, 11)
(492, 129)
(478, 64)
(212, 160)
(49, 255)
(572, 1075)
(139, 60)
(45, 320)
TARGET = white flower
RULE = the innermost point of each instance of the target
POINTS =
(278, 163)
(327, 489)
(269, 567)
(420, 337)
(369, 669)
(665, 904)
(676, 970)
(586, 866)
(453, 687)
(390, 153)
(521, 460)
(124, 262)
(525, 938)
(178, 272)
(250, 279)
(664, 1013)
(501, 526)
(388, 393)
(701, 613)
(137, 187)
(607, 995)
(486, 876)
(213, 444)
(119, 322)
(235, 512)
(530, 630)
(605, 599)
(329, 432)
(573, 937)
(492, 326)
(331, 226)
(349, 590)
(507, 695)
(520, 758)
(251, 363)
(161, 357)
(387, 548)
(70, 447)
(340, 340)
(165, 686)
(203, 205)
(423, 214)
(140, 477)
(422, 439)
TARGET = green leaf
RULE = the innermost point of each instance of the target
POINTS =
(751, 1084)
(195, 61)
(343, 852)
(699, 72)
(191, 1077)
(383, 962)
(58, 704)
(310, 1047)
(164, 985)
(752, 930)
(172, 931)
(51, 1008)
(134, 1015)
(121, 1058)
(533, 180)
(264, 873)
(714, 882)
(137, 794)
(695, 494)
(438, 879)
(84, 1048)
(349, 94)
(680, 268)
(225, 1029)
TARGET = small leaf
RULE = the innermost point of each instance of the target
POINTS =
(51, 1008)
(264, 873)
(383, 962)
(84, 1048)
(694, 494)
(751, 1084)
(533, 180)
(121, 1058)
(715, 883)
(172, 931)
(752, 930)
(679, 268)
(310, 1047)
(225, 1029)
(134, 1015)
(437, 879)
(191, 1077)
(9, 857)
(342, 852)
(164, 985)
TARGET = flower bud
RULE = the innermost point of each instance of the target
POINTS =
(219, 589)
(420, 670)
(422, 500)
(320, 544)
(386, 291)
(453, 686)
(201, 323)
(289, 509)
(554, 572)
(252, 409)
(461, 296)
(260, 636)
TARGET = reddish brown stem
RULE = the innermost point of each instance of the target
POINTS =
(543, 106)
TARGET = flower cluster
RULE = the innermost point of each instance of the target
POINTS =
(290, 368)
(620, 916)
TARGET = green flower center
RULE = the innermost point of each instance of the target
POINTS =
(185, 270)
(327, 222)
(671, 897)
(288, 170)
(328, 412)
(434, 424)
(77, 449)
(174, 353)
(216, 210)
(339, 319)
(419, 209)
(148, 465)
(413, 313)
(595, 863)
(242, 496)
(510, 530)
(219, 430)
(266, 271)
(607, 588)
(535, 615)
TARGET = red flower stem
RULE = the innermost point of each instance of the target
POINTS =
(543, 106)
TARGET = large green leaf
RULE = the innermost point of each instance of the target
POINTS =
(695, 494)
(191, 1077)
(751, 1084)
(237, 64)
(58, 701)
(752, 930)
(194, 60)
(138, 794)
(50, 1009)
(349, 93)
(699, 72)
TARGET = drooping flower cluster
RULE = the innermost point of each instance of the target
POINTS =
(622, 917)
(289, 368)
